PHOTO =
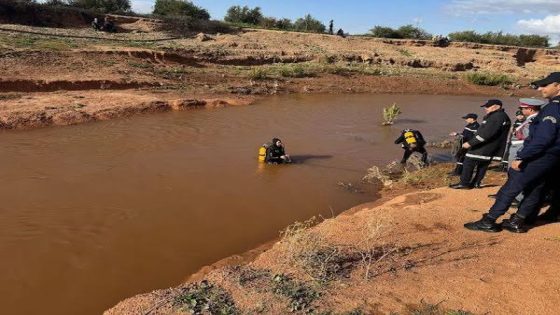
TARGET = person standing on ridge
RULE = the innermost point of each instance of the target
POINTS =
(467, 134)
(487, 144)
(532, 167)
(412, 141)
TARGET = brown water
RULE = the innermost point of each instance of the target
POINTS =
(95, 213)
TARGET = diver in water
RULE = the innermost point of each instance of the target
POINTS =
(275, 153)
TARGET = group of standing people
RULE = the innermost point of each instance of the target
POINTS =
(532, 148)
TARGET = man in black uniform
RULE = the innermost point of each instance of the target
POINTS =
(467, 134)
(488, 144)
(412, 141)
(537, 160)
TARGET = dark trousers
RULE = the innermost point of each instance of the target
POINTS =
(408, 152)
(460, 158)
(531, 181)
(469, 165)
(552, 187)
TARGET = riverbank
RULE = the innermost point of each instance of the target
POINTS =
(49, 78)
(407, 255)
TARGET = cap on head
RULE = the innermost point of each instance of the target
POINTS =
(470, 115)
(492, 102)
(530, 102)
(551, 78)
(519, 113)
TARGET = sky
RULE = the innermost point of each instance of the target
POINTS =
(436, 16)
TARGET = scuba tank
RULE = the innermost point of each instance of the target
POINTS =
(410, 138)
(262, 153)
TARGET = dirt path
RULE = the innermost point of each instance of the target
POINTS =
(421, 258)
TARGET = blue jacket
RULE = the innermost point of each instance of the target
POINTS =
(544, 133)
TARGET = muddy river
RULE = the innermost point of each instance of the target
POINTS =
(95, 213)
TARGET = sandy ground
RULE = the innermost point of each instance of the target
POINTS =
(423, 256)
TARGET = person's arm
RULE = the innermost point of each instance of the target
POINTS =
(487, 131)
(546, 136)
(400, 139)
(420, 137)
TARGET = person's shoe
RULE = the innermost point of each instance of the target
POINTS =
(515, 224)
(478, 185)
(459, 186)
(486, 224)
(493, 196)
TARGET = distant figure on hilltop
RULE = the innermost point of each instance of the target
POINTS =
(331, 27)
(340, 33)
(108, 26)
(95, 24)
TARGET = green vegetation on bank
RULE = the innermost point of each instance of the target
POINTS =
(499, 38)
(180, 8)
(403, 32)
(246, 16)
(490, 79)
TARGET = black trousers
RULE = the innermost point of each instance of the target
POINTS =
(469, 165)
(408, 152)
(531, 181)
(460, 158)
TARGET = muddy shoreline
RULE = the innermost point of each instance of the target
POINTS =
(27, 110)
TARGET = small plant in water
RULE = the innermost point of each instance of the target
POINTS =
(391, 113)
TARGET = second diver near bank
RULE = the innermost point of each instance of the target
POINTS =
(412, 141)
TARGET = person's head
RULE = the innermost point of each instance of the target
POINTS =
(519, 115)
(529, 106)
(549, 86)
(470, 118)
(277, 142)
(95, 20)
(492, 105)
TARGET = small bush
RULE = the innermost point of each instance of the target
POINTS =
(406, 31)
(391, 113)
(259, 74)
(309, 24)
(180, 8)
(296, 71)
(205, 297)
(108, 6)
(489, 79)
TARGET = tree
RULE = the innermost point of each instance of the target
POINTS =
(108, 6)
(413, 32)
(384, 32)
(309, 24)
(238, 14)
(284, 24)
(180, 8)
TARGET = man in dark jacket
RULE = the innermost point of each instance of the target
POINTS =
(532, 166)
(275, 153)
(412, 141)
(467, 134)
(488, 144)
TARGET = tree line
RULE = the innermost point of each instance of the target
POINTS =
(239, 15)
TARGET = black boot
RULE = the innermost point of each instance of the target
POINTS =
(459, 186)
(515, 224)
(486, 224)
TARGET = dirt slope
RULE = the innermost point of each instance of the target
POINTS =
(421, 256)
(43, 61)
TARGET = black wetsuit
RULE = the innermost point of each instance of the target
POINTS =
(408, 149)
(274, 154)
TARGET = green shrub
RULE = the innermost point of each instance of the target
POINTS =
(391, 113)
(108, 6)
(245, 15)
(180, 8)
(405, 31)
(309, 24)
(499, 38)
(489, 79)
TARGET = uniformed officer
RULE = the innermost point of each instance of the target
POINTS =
(539, 156)
(465, 136)
(488, 144)
(519, 119)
